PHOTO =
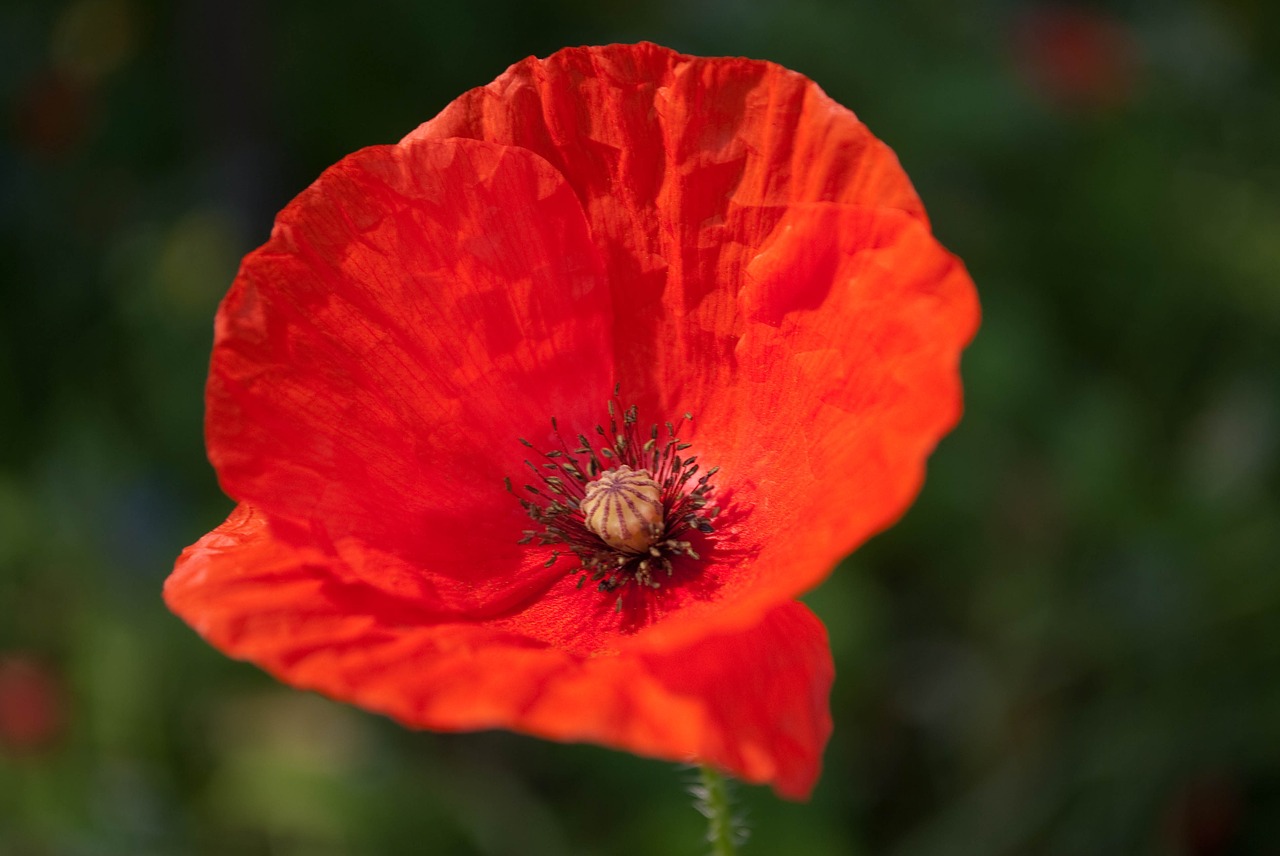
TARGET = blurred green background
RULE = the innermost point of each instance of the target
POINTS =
(1071, 645)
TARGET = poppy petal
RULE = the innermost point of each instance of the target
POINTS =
(840, 381)
(684, 165)
(753, 703)
(415, 302)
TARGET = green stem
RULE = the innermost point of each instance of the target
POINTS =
(717, 807)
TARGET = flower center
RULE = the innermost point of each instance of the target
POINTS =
(621, 521)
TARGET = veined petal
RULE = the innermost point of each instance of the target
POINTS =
(685, 166)
(752, 702)
(415, 303)
(842, 377)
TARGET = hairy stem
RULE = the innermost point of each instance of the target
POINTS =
(723, 829)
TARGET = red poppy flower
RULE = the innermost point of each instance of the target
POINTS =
(712, 237)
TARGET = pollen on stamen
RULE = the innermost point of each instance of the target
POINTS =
(619, 508)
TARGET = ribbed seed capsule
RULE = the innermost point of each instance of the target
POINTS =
(622, 520)
(624, 507)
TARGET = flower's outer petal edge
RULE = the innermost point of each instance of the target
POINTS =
(416, 302)
(754, 703)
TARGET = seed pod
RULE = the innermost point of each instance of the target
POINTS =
(624, 507)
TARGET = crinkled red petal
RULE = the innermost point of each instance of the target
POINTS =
(416, 310)
(841, 377)
(753, 702)
(685, 166)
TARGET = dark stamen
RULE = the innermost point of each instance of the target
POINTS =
(558, 512)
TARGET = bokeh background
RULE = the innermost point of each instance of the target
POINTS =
(1071, 644)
